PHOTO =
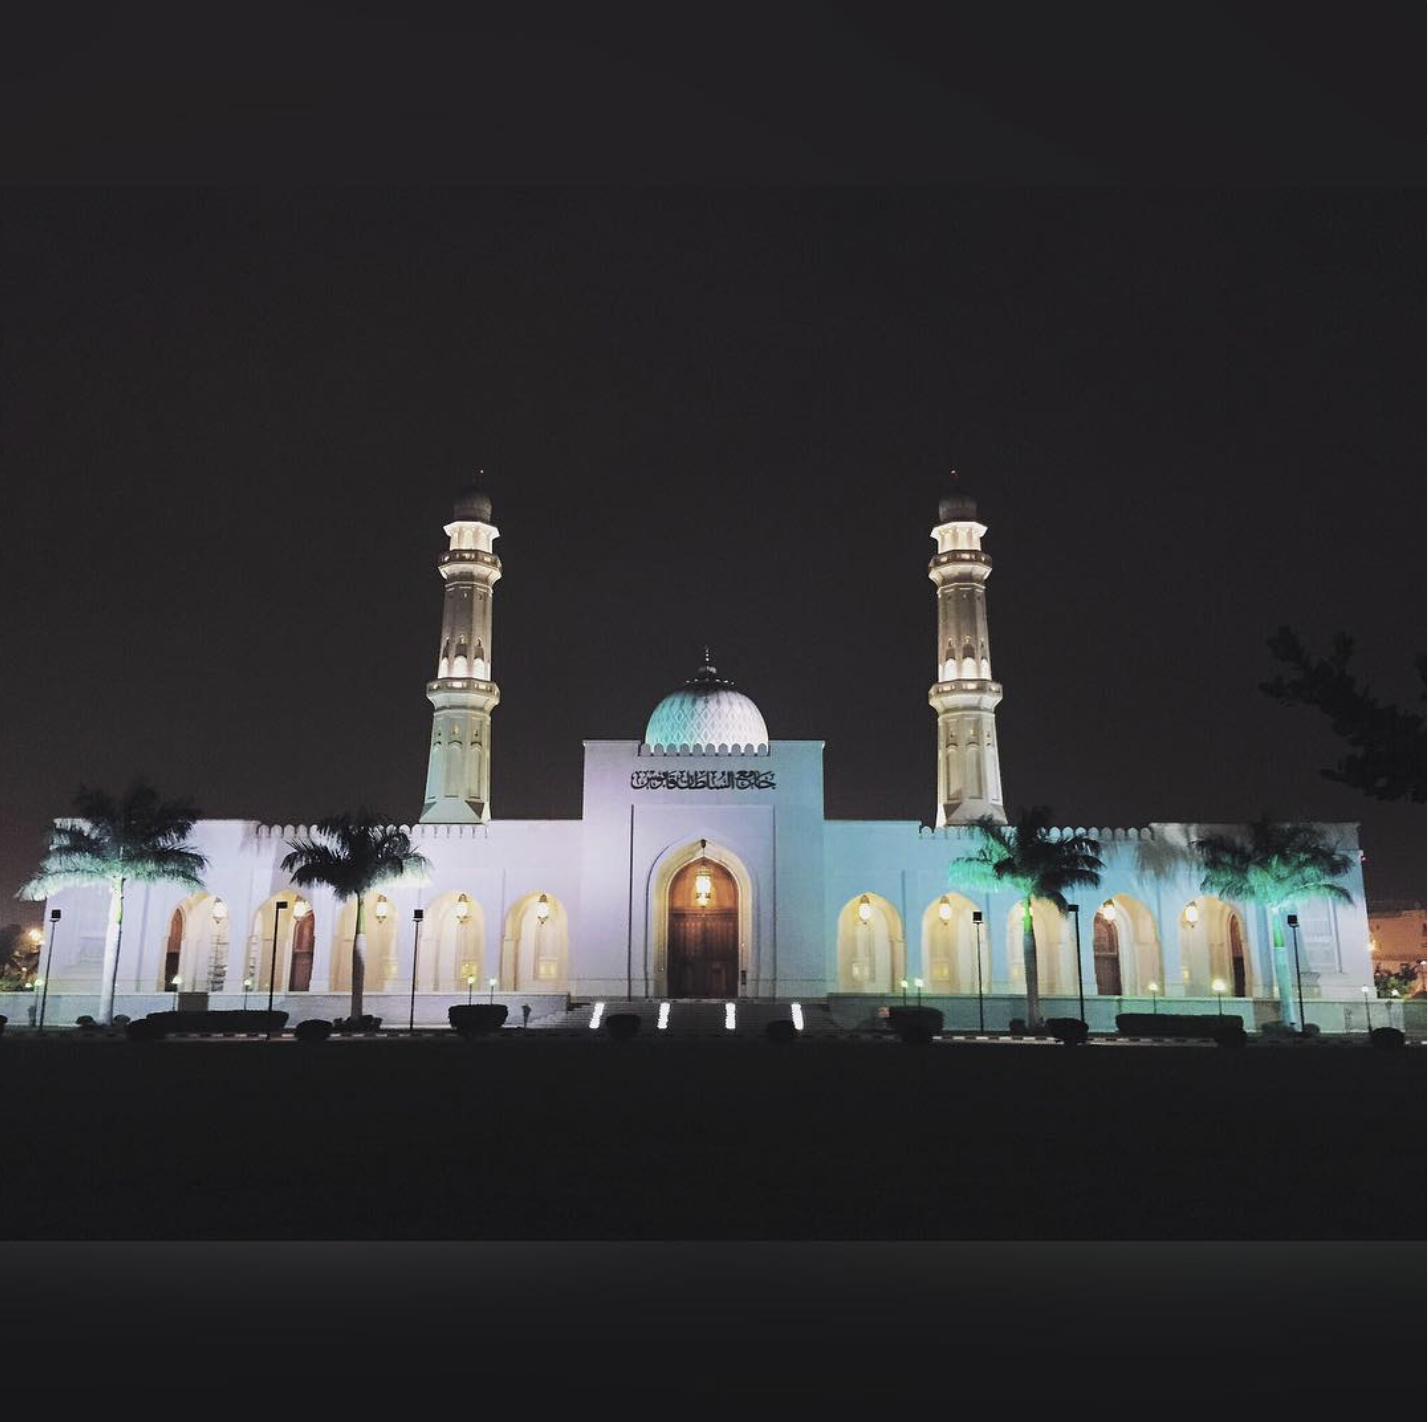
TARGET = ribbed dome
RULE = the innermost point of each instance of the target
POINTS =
(473, 504)
(957, 507)
(706, 711)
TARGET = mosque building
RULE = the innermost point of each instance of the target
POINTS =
(704, 867)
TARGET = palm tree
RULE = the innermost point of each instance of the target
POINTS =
(352, 854)
(1274, 865)
(137, 838)
(1039, 862)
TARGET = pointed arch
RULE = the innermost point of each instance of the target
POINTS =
(662, 877)
(1214, 948)
(949, 947)
(872, 955)
(535, 949)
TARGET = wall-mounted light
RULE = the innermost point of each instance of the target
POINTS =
(220, 910)
(542, 909)
(1108, 911)
(865, 908)
(463, 909)
(944, 909)
(703, 888)
(1192, 914)
(301, 909)
(381, 909)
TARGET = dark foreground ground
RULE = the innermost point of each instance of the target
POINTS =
(557, 1138)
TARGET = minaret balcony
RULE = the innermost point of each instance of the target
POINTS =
(458, 558)
(961, 555)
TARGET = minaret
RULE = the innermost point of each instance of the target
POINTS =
(458, 775)
(969, 777)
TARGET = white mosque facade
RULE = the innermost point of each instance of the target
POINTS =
(704, 867)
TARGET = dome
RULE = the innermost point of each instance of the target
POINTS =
(706, 711)
(957, 507)
(473, 505)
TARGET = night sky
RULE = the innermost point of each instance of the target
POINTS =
(234, 422)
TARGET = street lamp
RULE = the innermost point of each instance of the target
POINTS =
(1154, 988)
(247, 988)
(176, 982)
(1218, 988)
(981, 1012)
(492, 985)
(273, 964)
(904, 991)
(416, 948)
(1368, 1015)
(45, 980)
(1080, 982)
(1293, 921)
(917, 983)
(470, 988)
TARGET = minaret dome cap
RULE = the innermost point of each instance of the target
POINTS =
(957, 507)
(473, 504)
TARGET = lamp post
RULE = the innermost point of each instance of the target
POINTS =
(492, 985)
(247, 988)
(470, 988)
(1080, 981)
(45, 979)
(904, 992)
(981, 1008)
(917, 983)
(176, 982)
(1154, 988)
(1218, 988)
(416, 947)
(1368, 1016)
(1293, 921)
(273, 964)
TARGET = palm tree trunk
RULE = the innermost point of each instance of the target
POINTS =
(359, 963)
(109, 970)
(1283, 973)
(1028, 958)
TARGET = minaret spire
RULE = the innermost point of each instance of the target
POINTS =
(969, 777)
(458, 775)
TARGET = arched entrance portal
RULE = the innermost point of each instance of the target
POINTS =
(703, 938)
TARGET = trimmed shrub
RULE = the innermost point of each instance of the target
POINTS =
(121, 1019)
(475, 1019)
(1389, 1039)
(781, 1029)
(315, 1029)
(144, 1030)
(1069, 1031)
(1232, 1034)
(621, 1026)
(915, 1026)
(1278, 1031)
(1017, 1027)
(1310, 1029)
(354, 1025)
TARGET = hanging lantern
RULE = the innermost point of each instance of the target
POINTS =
(301, 909)
(220, 910)
(381, 909)
(463, 909)
(944, 910)
(542, 909)
(1108, 911)
(1192, 914)
(865, 908)
(703, 888)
